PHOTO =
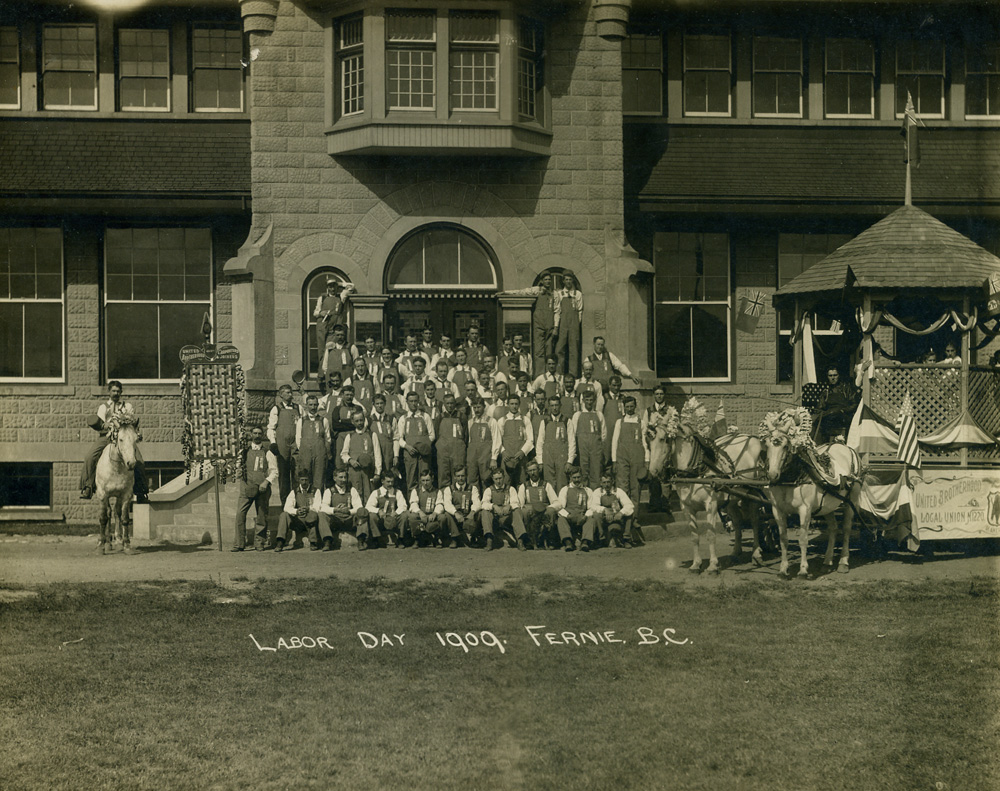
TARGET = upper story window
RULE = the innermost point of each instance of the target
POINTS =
(777, 77)
(529, 70)
(692, 314)
(143, 69)
(982, 80)
(850, 78)
(350, 54)
(410, 58)
(10, 69)
(31, 303)
(69, 67)
(920, 73)
(708, 67)
(474, 56)
(157, 288)
(642, 74)
(216, 69)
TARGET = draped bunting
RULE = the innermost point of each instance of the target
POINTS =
(961, 431)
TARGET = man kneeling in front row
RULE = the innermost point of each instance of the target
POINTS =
(303, 514)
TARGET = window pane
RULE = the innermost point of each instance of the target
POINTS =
(9, 84)
(11, 339)
(765, 89)
(641, 91)
(837, 94)
(43, 321)
(711, 336)
(696, 92)
(717, 85)
(441, 257)
(407, 263)
(476, 268)
(673, 341)
(180, 325)
(409, 25)
(56, 89)
(789, 87)
(132, 343)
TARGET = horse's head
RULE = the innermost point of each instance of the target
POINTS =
(693, 428)
(660, 435)
(124, 434)
(782, 434)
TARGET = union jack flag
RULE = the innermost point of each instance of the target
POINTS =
(755, 303)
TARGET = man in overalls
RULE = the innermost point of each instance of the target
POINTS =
(588, 432)
(386, 508)
(483, 446)
(475, 350)
(340, 424)
(549, 381)
(418, 378)
(462, 372)
(312, 441)
(501, 513)
(522, 389)
(543, 323)
(425, 520)
(516, 440)
(613, 410)
(610, 509)
(344, 512)
(338, 355)
(410, 353)
(588, 384)
(383, 428)
(442, 382)
(395, 406)
(658, 407)
(363, 384)
(572, 509)
(536, 498)
(469, 397)
(415, 435)
(361, 456)
(552, 449)
(630, 456)
(281, 422)
(302, 513)
(260, 473)
(331, 309)
(570, 403)
(568, 303)
(461, 506)
(451, 443)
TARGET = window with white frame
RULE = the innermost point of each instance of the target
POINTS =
(920, 74)
(642, 74)
(692, 310)
(777, 77)
(216, 68)
(143, 69)
(707, 75)
(529, 70)
(157, 289)
(473, 59)
(849, 86)
(69, 67)
(982, 80)
(31, 304)
(410, 59)
(350, 55)
(796, 253)
(10, 69)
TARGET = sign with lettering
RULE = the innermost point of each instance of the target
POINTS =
(949, 504)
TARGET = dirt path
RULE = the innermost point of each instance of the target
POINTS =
(28, 561)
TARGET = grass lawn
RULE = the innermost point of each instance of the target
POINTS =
(783, 686)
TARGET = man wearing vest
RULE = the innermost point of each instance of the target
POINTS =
(469, 397)
(302, 514)
(331, 398)
(387, 365)
(570, 403)
(549, 380)
(340, 424)
(520, 357)
(452, 441)
(630, 456)
(410, 353)
(462, 372)
(427, 345)
(588, 433)
(572, 507)
(489, 377)
(461, 505)
(88, 475)
(331, 310)
(568, 317)
(484, 445)
(501, 513)
(260, 473)
(543, 322)
(425, 521)
(504, 363)
(606, 364)
(475, 350)
(444, 352)
(386, 508)
(344, 512)
(536, 498)
(496, 407)
(383, 428)
(441, 380)
(522, 389)
(588, 384)
(553, 449)
(537, 414)
(363, 384)
(394, 404)
(415, 435)
(658, 407)
(611, 508)
(361, 456)
(312, 441)
(418, 379)
(613, 409)
(338, 355)
(371, 354)
(516, 440)
(281, 422)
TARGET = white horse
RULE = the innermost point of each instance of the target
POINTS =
(810, 481)
(115, 478)
(679, 448)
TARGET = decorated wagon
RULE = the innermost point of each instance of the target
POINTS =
(916, 304)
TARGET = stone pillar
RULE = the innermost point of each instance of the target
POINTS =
(258, 15)
(369, 317)
(612, 18)
(252, 271)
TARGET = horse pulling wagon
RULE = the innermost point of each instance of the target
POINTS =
(920, 461)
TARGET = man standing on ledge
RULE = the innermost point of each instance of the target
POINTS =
(112, 406)
(568, 310)
(331, 309)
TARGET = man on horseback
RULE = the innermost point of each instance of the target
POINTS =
(105, 410)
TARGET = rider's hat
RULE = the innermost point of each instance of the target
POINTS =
(95, 422)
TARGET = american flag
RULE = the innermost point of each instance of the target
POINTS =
(909, 450)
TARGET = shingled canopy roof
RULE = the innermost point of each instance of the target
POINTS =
(909, 249)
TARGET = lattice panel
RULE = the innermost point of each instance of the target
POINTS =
(214, 415)
(984, 406)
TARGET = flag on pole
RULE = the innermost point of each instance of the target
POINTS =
(720, 427)
(750, 309)
(909, 450)
(909, 133)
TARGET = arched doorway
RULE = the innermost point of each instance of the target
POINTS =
(444, 277)
(312, 290)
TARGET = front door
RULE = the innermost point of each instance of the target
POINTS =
(451, 315)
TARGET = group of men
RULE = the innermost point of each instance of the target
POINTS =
(451, 446)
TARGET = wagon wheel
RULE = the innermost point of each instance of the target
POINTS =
(768, 535)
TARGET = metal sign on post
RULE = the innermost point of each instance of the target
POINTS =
(213, 398)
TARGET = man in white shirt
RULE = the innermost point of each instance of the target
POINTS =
(415, 436)
(588, 384)
(461, 507)
(386, 508)
(425, 520)
(331, 309)
(105, 410)
(630, 457)
(501, 513)
(606, 363)
(312, 442)
(281, 422)
(302, 514)
(610, 507)
(344, 512)
(568, 315)
(260, 474)
(588, 431)
(536, 498)
(549, 380)
(516, 440)
(461, 372)
(572, 507)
